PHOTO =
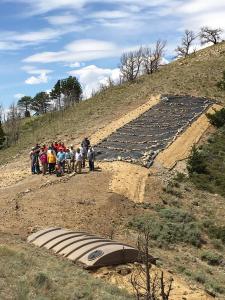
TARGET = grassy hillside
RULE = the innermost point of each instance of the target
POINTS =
(196, 75)
(30, 273)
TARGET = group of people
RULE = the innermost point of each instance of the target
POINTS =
(58, 159)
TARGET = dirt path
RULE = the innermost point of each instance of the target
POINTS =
(127, 179)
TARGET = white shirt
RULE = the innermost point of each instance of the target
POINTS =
(78, 157)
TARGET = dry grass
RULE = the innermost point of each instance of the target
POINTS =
(196, 75)
(27, 272)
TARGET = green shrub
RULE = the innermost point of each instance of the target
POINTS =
(171, 227)
(218, 118)
(42, 281)
(22, 290)
(169, 189)
(217, 244)
(196, 162)
(176, 215)
(213, 259)
(206, 167)
(181, 269)
(200, 277)
(217, 232)
(180, 177)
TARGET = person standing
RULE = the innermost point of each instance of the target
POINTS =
(91, 159)
(44, 160)
(83, 152)
(86, 144)
(68, 160)
(78, 163)
(36, 159)
(73, 154)
(61, 159)
(32, 160)
(51, 161)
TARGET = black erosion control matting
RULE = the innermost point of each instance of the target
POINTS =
(140, 140)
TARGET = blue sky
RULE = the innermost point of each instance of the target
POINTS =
(42, 41)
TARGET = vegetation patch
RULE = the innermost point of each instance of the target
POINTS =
(206, 165)
(171, 226)
(212, 258)
(30, 273)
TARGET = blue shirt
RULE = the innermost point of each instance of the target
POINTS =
(61, 156)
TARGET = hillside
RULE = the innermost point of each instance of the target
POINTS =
(196, 75)
(186, 217)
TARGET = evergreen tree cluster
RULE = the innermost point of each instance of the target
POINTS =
(65, 92)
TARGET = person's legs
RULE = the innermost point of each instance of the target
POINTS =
(83, 162)
(92, 165)
(51, 168)
(63, 167)
(89, 164)
(32, 168)
(75, 166)
(79, 166)
(72, 164)
(43, 168)
(37, 168)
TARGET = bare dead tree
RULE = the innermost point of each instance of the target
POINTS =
(12, 124)
(210, 35)
(185, 48)
(152, 57)
(130, 64)
(149, 286)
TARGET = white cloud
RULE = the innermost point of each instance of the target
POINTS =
(114, 14)
(42, 78)
(34, 71)
(42, 75)
(12, 40)
(44, 6)
(61, 19)
(80, 50)
(5, 45)
(92, 76)
(75, 65)
(18, 96)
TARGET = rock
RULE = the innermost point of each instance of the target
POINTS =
(27, 191)
(123, 270)
(104, 273)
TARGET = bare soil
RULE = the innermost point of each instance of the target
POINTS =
(100, 202)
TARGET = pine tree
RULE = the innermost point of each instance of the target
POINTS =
(56, 94)
(196, 162)
(72, 90)
(24, 103)
(40, 103)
